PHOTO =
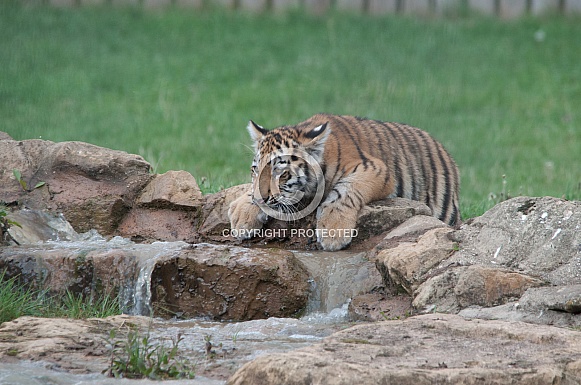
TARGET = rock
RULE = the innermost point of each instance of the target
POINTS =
(428, 349)
(218, 282)
(230, 283)
(35, 227)
(554, 305)
(93, 187)
(168, 209)
(539, 237)
(77, 346)
(380, 307)
(478, 285)
(380, 216)
(493, 260)
(149, 225)
(93, 269)
(174, 189)
(557, 298)
(408, 263)
(26, 157)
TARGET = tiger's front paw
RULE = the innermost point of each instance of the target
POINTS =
(335, 230)
(246, 219)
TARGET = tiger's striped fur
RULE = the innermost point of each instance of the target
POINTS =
(362, 161)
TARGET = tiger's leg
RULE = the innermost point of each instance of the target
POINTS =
(337, 215)
(246, 218)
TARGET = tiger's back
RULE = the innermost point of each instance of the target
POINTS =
(418, 166)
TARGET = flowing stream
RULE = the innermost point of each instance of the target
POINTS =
(337, 278)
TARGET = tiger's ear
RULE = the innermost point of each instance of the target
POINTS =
(318, 136)
(256, 132)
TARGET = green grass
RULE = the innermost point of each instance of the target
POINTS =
(137, 357)
(178, 87)
(17, 300)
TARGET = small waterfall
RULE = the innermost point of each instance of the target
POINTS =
(336, 278)
(137, 298)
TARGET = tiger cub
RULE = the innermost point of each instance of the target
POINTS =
(341, 163)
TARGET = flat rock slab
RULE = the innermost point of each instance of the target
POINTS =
(427, 349)
(76, 346)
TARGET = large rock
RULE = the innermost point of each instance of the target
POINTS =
(80, 346)
(230, 283)
(92, 186)
(77, 346)
(553, 305)
(428, 349)
(167, 278)
(90, 268)
(408, 263)
(519, 244)
(461, 287)
(539, 237)
(493, 265)
(167, 209)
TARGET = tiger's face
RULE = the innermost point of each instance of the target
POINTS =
(286, 169)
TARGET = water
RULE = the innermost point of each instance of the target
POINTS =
(233, 345)
(36, 373)
(337, 277)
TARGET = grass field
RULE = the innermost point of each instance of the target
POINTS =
(179, 87)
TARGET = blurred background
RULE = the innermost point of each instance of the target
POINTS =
(498, 82)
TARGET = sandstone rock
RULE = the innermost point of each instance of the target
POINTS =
(412, 229)
(478, 285)
(92, 186)
(557, 298)
(516, 246)
(380, 307)
(35, 226)
(71, 345)
(26, 157)
(513, 311)
(219, 282)
(144, 224)
(381, 216)
(539, 237)
(93, 269)
(174, 189)
(461, 287)
(5, 136)
(428, 349)
(408, 263)
(230, 283)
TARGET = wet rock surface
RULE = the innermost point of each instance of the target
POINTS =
(218, 282)
(428, 349)
(77, 346)
(229, 283)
